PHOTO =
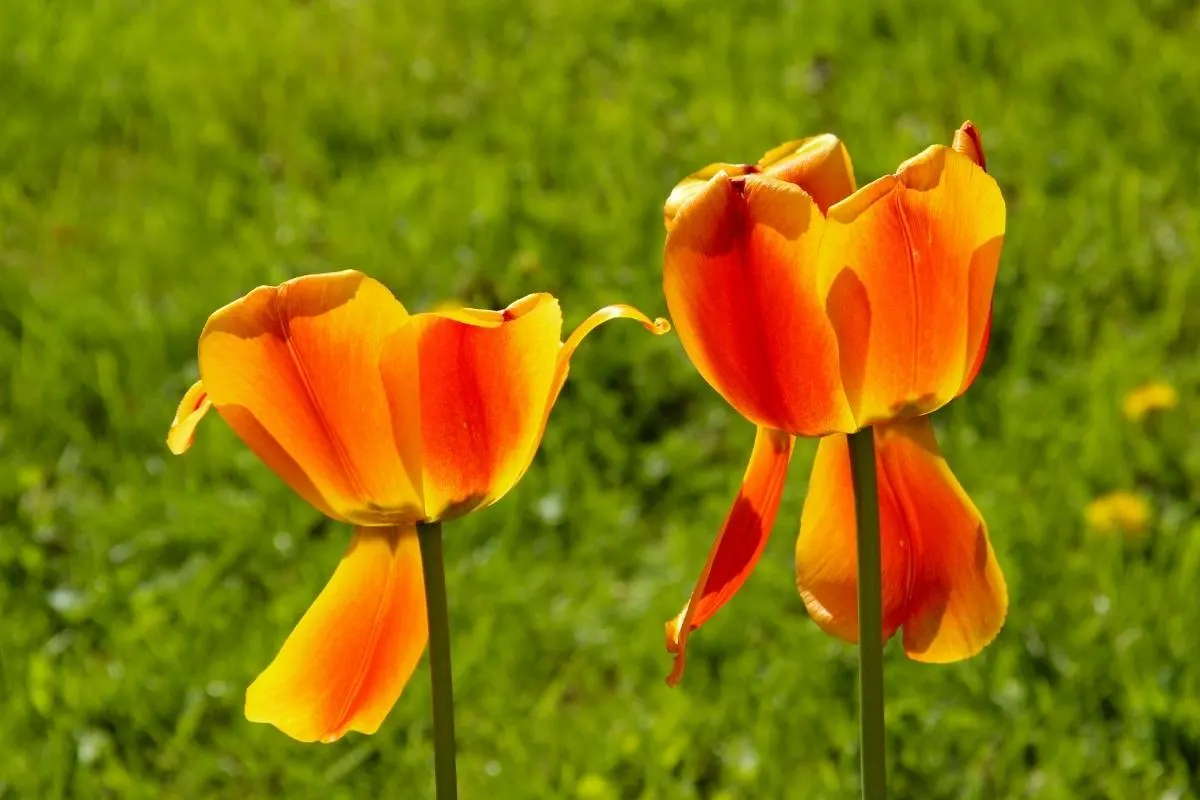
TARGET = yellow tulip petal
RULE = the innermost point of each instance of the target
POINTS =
(345, 664)
(820, 165)
(192, 408)
(294, 369)
(739, 544)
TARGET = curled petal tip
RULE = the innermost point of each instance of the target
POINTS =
(657, 326)
(968, 142)
(739, 544)
(192, 408)
(675, 648)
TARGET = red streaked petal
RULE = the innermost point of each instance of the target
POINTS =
(192, 408)
(484, 382)
(739, 544)
(740, 277)
(908, 267)
(301, 361)
(346, 662)
(941, 582)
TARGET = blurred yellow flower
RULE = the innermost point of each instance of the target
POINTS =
(1153, 396)
(1119, 512)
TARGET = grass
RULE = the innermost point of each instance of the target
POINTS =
(160, 159)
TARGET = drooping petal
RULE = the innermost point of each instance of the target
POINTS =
(346, 662)
(820, 165)
(908, 267)
(739, 543)
(294, 369)
(192, 408)
(484, 381)
(740, 276)
(941, 582)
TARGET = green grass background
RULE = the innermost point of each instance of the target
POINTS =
(158, 159)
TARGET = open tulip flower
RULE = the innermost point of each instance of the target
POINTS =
(383, 420)
(818, 310)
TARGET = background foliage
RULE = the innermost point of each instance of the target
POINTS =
(158, 159)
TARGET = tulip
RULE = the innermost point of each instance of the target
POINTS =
(819, 310)
(388, 422)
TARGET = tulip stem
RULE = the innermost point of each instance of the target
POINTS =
(870, 615)
(440, 676)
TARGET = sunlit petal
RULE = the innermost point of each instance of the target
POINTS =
(969, 142)
(192, 408)
(694, 185)
(485, 377)
(346, 662)
(941, 582)
(908, 267)
(740, 276)
(819, 165)
(294, 369)
(739, 543)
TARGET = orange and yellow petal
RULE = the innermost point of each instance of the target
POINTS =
(346, 662)
(739, 544)
(908, 267)
(740, 277)
(192, 408)
(295, 371)
(485, 378)
(968, 141)
(820, 165)
(941, 582)
(695, 184)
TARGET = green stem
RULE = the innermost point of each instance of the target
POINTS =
(870, 615)
(441, 679)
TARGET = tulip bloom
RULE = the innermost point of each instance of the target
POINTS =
(817, 310)
(382, 420)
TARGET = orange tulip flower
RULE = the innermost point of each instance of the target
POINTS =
(818, 310)
(380, 419)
